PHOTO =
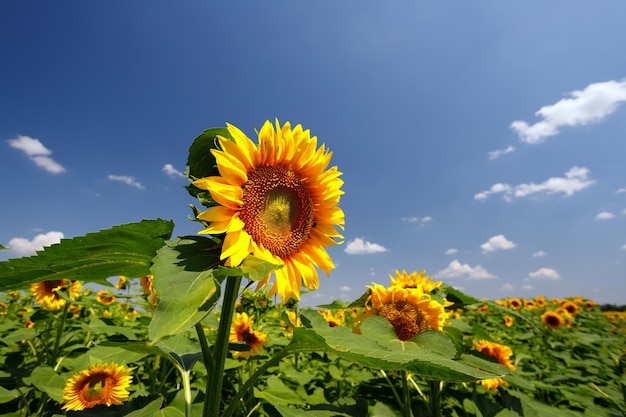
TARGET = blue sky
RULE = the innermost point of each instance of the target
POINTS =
(483, 141)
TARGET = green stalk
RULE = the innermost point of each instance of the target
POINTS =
(207, 358)
(234, 404)
(435, 398)
(393, 390)
(57, 339)
(214, 380)
(187, 391)
(406, 395)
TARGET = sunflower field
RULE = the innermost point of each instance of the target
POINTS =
(131, 321)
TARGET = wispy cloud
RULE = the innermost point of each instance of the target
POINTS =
(527, 287)
(498, 242)
(623, 247)
(419, 220)
(22, 246)
(575, 180)
(359, 246)
(539, 254)
(604, 215)
(451, 251)
(545, 274)
(621, 190)
(345, 288)
(37, 153)
(591, 105)
(498, 153)
(456, 269)
(507, 287)
(171, 171)
(128, 180)
(624, 212)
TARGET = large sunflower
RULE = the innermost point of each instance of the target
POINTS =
(101, 384)
(46, 292)
(277, 201)
(409, 311)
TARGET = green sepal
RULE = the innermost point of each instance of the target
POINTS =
(201, 162)
(126, 250)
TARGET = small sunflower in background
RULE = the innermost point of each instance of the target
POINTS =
(409, 312)
(278, 201)
(46, 293)
(241, 332)
(502, 354)
(552, 319)
(105, 297)
(100, 384)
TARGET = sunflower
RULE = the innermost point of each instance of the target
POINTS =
(414, 280)
(241, 331)
(502, 354)
(276, 201)
(515, 303)
(148, 289)
(46, 292)
(334, 318)
(571, 307)
(508, 321)
(410, 312)
(105, 297)
(552, 319)
(101, 384)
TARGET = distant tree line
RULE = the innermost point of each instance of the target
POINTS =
(612, 307)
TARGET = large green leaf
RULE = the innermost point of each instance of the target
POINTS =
(47, 380)
(430, 356)
(185, 286)
(121, 250)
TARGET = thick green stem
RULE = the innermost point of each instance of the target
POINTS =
(435, 398)
(406, 395)
(187, 392)
(214, 380)
(57, 339)
(207, 358)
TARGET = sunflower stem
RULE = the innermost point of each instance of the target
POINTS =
(57, 339)
(213, 393)
(406, 395)
(435, 398)
(235, 403)
(207, 358)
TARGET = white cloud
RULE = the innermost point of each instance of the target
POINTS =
(539, 254)
(171, 171)
(37, 153)
(414, 219)
(527, 287)
(345, 288)
(451, 251)
(624, 212)
(496, 243)
(623, 247)
(507, 287)
(576, 179)
(604, 215)
(545, 274)
(621, 190)
(359, 246)
(455, 269)
(590, 105)
(128, 180)
(498, 153)
(22, 246)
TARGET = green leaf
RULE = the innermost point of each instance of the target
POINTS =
(8, 395)
(122, 250)
(103, 354)
(378, 347)
(255, 269)
(185, 286)
(169, 412)
(276, 392)
(48, 381)
(2, 247)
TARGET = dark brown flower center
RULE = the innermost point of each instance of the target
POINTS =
(406, 319)
(96, 388)
(277, 209)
